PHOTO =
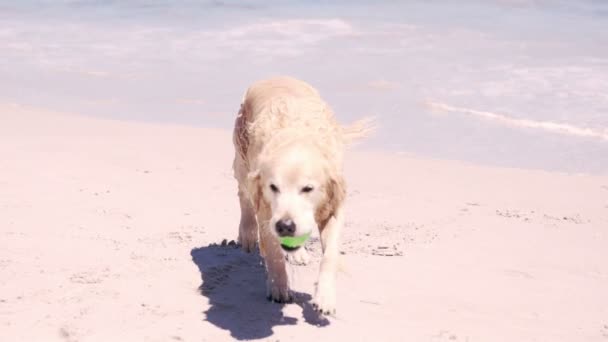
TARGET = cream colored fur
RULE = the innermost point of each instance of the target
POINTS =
(286, 139)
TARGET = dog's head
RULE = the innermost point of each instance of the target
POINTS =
(300, 187)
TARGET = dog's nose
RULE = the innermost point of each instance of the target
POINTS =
(286, 227)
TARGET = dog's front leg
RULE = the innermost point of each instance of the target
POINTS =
(325, 295)
(274, 259)
(248, 226)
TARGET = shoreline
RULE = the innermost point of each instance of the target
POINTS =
(358, 148)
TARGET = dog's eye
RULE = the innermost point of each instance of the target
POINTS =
(307, 188)
(274, 188)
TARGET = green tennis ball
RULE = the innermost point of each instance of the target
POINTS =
(294, 241)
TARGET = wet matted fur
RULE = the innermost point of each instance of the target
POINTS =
(289, 151)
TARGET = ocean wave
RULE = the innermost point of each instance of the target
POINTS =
(549, 126)
(84, 44)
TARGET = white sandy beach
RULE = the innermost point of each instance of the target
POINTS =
(106, 227)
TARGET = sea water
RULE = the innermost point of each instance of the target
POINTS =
(515, 83)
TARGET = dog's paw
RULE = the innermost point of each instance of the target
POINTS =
(324, 301)
(279, 294)
(299, 257)
(247, 240)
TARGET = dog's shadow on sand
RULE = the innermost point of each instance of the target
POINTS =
(235, 284)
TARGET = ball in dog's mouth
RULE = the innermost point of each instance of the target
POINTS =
(292, 243)
(290, 249)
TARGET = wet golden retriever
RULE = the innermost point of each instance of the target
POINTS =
(288, 164)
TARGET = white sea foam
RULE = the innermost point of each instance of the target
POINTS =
(553, 127)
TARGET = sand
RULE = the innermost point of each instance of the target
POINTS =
(107, 233)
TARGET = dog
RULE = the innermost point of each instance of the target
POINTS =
(288, 164)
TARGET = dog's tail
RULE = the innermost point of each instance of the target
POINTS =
(359, 130)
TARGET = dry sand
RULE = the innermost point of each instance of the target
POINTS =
(106, 226)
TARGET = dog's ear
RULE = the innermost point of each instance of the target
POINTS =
(335, 190)
(254, 185)
(336, 193)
